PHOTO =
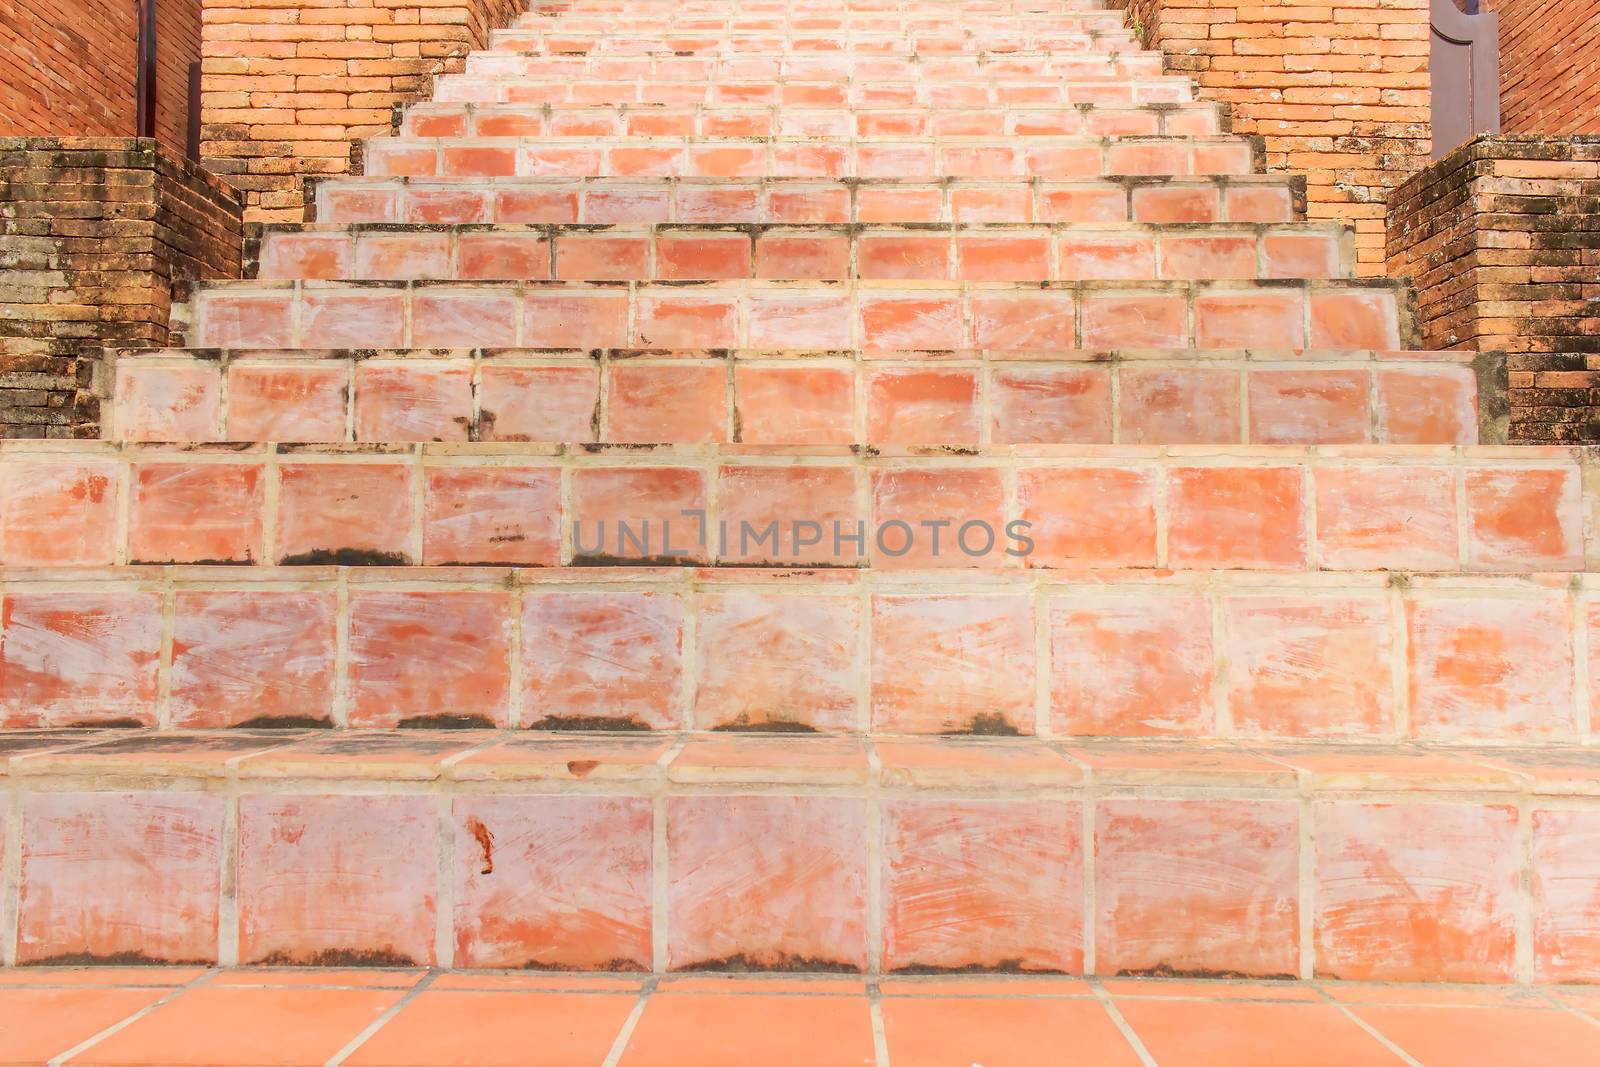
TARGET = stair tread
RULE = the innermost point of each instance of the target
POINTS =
(675, 759)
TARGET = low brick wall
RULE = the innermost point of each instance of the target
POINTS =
(96, 234)
(288, 88)
(1502, 241)
(1338, 91)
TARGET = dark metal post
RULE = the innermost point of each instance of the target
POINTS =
(193, 141)
(145, 87)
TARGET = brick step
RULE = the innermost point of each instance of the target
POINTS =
(805, 854)
(754, 63)
(577, 88)
(808, 15)
(767, 65)
(987, 252)
(1232, 198)
(765, 120)
(1082, 507)
(927, 44)
(1233, 654)
(591, 32)
(822, 157)
(874, 316)
(955, 20)
(967, 398)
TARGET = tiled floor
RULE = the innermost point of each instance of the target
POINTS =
(189, 1016)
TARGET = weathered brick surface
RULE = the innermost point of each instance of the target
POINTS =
(1338, 90)
(1502, 239)
(289, 87)
(73, 68)
(1549, 65)
(95, 234)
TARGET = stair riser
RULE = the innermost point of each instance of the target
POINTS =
(334, 397)
(620, 201)
(1277, 509)
(805, 157)
(870, 316)
(768, 66)
(644, 876)
(1066, 252)
(927, 43)
(577, 88)
(449, 120)
(1329, 657)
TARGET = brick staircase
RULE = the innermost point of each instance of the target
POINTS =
(592, 545)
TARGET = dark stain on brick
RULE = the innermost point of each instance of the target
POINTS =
(616, 965)
(113, 959)
(637, 561)
(597, 723)
(109, 724)
(340, 957)
(1009, 966)
(480, 833)
(284, 722)
(987, 726)
(1166, 970)
(742, 725)
(785, 962)
(345, 557)
(581, 768)
(447, 722)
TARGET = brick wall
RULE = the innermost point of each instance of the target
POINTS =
(1338, 91)
(1502, 240)
(1549, 65)
(95, 235)
(71, 68)
(290, 84)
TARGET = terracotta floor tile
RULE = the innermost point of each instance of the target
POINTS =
(1181, 989)
(363, 978)
(1181, 1033)
(501, 982)
(740, 984)
(985, 985)
(998, 1032)
(1479, 1037)
(443, 1028)
(700, 1030)
(98, 976)
(1433, 995)
(36, 1024)
(235, 1026)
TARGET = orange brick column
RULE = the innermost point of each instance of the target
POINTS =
(289, 85)
(1549, 65)
(1338, 91)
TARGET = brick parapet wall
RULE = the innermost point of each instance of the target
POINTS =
(1338, 91)
(1549, 65)
(289, 85)
(97, 238)
(73, 68)
(1502, 241)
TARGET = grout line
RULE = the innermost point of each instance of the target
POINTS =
(880, 1035)
(89, 1042)
(1121, 1023)
(620, 1045)
(1377, 1035)
(382, 1020)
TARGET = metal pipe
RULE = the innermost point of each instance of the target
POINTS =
(145, 86)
